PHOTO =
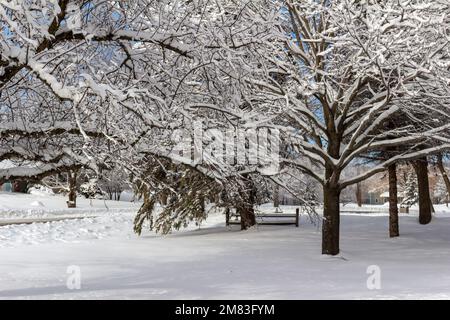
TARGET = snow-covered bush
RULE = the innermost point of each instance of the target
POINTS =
(39, 189)
(91, 189)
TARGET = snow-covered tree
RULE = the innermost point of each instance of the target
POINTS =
(93, 83)
(183, 189)
(349, 68)
(440, 193)
(443, 171)
(410, 192)
(330, 76)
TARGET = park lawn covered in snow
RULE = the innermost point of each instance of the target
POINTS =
(216, 262)
(41, 204)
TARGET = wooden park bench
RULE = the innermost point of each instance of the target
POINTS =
(281, 218)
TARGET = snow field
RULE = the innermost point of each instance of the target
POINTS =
(216, 262)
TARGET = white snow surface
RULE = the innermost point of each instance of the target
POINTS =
(41, 204)
(216, 262)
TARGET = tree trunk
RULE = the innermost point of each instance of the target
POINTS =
(331, 216)
(425, 204)
(163, 198)
(247, 214)
(359, 194)
(393, 202)
(441, 168)
(276, 197)
(245, 208)
(72, 177)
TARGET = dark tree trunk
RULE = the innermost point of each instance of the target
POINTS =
(247, 214)
(72, 177)
(245, 208)
(331, 197)
(276, 197)
(163, 198)
(359, 194)
(331, 216)
(393, 202)
(425, 205)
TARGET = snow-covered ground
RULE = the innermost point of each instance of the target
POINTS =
(211, 262)
(41, 204)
